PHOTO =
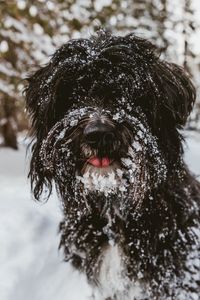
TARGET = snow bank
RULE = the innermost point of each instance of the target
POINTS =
(31, 267)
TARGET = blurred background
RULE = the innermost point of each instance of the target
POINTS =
(30, 32)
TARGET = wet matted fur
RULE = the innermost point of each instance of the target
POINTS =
(132, 226)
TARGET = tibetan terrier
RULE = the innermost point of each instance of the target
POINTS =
(106, 118)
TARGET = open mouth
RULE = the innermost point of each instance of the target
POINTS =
(102, 174)
(100, 162)
(99, 165)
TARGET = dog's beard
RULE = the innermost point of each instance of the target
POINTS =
(121, 185)
(102, 180)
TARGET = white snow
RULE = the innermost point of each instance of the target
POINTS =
(31, 267)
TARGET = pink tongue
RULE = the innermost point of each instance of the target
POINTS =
(99, 162)
(105, 162)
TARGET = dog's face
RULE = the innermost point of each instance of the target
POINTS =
(92, 150)
(106, 114)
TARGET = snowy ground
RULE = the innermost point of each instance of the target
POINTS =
(30, 265)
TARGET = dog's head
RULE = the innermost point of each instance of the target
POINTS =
(105, 115)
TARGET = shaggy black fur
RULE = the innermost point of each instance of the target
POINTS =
(152, 213)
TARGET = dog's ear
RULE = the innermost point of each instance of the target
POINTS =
(179, 93)
(38, 106)
(37, 100)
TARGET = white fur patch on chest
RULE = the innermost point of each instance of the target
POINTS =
(113, 282)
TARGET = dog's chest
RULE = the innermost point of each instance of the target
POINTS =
(113, 282)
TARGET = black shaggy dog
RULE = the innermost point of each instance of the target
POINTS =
(106, 114)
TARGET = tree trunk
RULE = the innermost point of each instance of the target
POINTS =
(8, 124)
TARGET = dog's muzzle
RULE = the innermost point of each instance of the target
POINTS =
(100, 135)
(100, 169)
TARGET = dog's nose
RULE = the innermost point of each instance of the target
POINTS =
(97, 132)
